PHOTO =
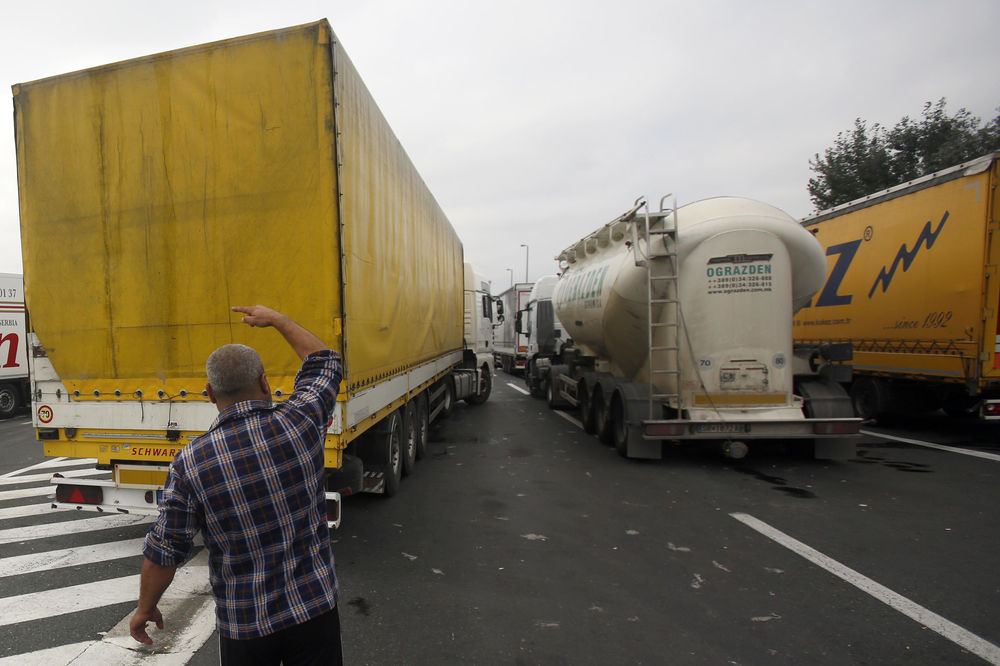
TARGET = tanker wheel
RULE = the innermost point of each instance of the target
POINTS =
(587, 416)
(619, 426)
(869, 397)
(410, 438)
(602, 418)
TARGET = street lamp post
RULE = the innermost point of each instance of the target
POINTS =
(525, 261)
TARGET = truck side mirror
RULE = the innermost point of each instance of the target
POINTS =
(517, 322)
(500, 308)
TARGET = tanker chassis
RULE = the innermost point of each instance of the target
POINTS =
(680, 327)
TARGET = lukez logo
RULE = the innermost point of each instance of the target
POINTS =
(845, 255)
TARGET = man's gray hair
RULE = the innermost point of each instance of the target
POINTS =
(233, 369)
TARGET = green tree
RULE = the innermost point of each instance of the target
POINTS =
(868, 159)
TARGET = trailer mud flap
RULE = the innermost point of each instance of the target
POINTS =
(374, 481)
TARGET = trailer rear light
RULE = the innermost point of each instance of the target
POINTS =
(664, 429)
(991, 409)
(837, 428)
(48, 433)
(67, 494)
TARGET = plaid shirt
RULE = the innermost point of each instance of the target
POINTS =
(253, 484)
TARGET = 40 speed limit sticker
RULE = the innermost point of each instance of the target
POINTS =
(45, 414)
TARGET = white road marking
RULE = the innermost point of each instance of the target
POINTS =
(569, 418)
(196, 618)
(958, 635)
(931, 445)
(189, 580)
(37, 491)
(63, 654)
(54, 462)
(69, 557)
(25, 510)
(518, 388)
(31, 532)
(33, 478)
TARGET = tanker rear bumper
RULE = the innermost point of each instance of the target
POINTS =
(777, 429)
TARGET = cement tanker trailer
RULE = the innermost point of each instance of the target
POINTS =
(680, 323)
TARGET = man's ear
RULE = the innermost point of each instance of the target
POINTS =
(211, 393)
(265, 388)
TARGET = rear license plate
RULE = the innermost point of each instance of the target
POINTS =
(720, 427)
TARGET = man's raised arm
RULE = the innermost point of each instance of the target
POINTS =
(301, 340)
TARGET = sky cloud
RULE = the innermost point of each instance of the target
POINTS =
(537, 122)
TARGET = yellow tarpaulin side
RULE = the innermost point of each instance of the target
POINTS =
(158, 192)
(404, 260)
(907, 283)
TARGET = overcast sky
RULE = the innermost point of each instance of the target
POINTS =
(537, 122)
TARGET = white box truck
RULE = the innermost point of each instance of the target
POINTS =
(14, 388)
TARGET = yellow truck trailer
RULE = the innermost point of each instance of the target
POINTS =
(913, 283)
(157, 192)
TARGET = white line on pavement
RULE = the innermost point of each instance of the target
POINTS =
(518, 388)
(925, 617)
(189, 580)
(64, 654)
(33, 478)
(69, 557)
(54, 462)
(25, 510)
(30, 532)
(37, 491)
(569, 418)
(931, 445)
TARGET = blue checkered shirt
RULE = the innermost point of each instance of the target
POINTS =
(253, 485)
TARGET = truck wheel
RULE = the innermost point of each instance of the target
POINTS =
(448, 399)
(8, 401)
(423, 430)
(619, 426)
(392, 441)
(602, 418)
(410, 438)
(869, 397)
(587, 416)
(485, 387)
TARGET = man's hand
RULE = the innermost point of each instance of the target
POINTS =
(302, 341)
(260, 316)
(137, 626)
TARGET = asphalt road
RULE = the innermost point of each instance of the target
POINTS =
(521, 540)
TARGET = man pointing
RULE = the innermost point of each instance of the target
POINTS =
(254, 485)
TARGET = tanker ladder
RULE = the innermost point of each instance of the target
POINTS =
(663, 295)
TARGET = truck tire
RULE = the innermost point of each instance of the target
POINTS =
(587, 415)
(555, 400)
(618, 423)
(423, 428)
(448, 399)
(602, 417)
(485, 387)
(8, 401)
(870, 397)
(410, 437)
(391, 441)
